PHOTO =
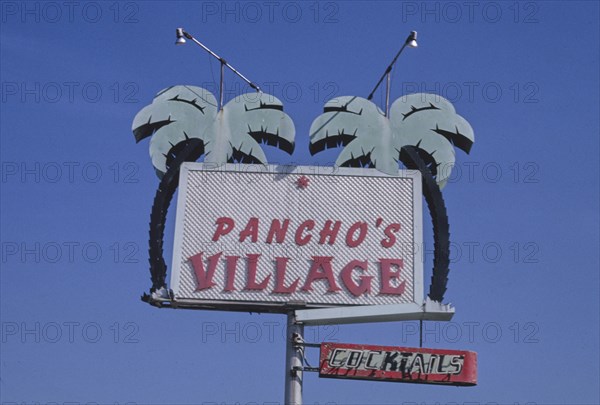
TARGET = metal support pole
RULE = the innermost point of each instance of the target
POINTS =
(221, 86)
(293, 361)
(387, 95)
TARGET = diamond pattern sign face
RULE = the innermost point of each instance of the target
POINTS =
(264, 237)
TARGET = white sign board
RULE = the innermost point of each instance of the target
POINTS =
(263, 238)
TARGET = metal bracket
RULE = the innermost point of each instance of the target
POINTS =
(311, 369)
(429, 311)
(305, 344)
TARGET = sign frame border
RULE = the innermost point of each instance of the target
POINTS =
(278, 307)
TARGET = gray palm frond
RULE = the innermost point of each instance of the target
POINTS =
(426, 121)
(351, 122)
(430, 122)
(176, 114)
(236, 133)
(245, 123)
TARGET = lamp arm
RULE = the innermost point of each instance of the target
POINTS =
(388, 70)
(223, 61)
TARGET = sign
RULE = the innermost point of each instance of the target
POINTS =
(398, 364)
(265, 237)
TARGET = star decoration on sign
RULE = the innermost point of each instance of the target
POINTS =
(302, 182)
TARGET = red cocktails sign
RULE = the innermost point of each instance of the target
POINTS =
(398, 364)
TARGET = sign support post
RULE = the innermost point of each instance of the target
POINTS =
(293, 361)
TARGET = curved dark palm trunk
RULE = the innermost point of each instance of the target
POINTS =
(192, 151)
(409, 156)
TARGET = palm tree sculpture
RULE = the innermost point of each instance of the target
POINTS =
(185, 124)
(420, 132)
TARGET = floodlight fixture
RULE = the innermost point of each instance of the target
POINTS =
(180, 39)
(411, 42)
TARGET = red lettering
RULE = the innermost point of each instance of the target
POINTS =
(224, 226)
(390, 231)
(278, 231)
(329, 233)
(251, 284)
(231, 267)
(280, 269)
(204, 279)
(387, 275)
(251, 230)
(362, 227)
(319, 270)
(303, 240)
(364, 285)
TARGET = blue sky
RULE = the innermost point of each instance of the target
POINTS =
(77, 191)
